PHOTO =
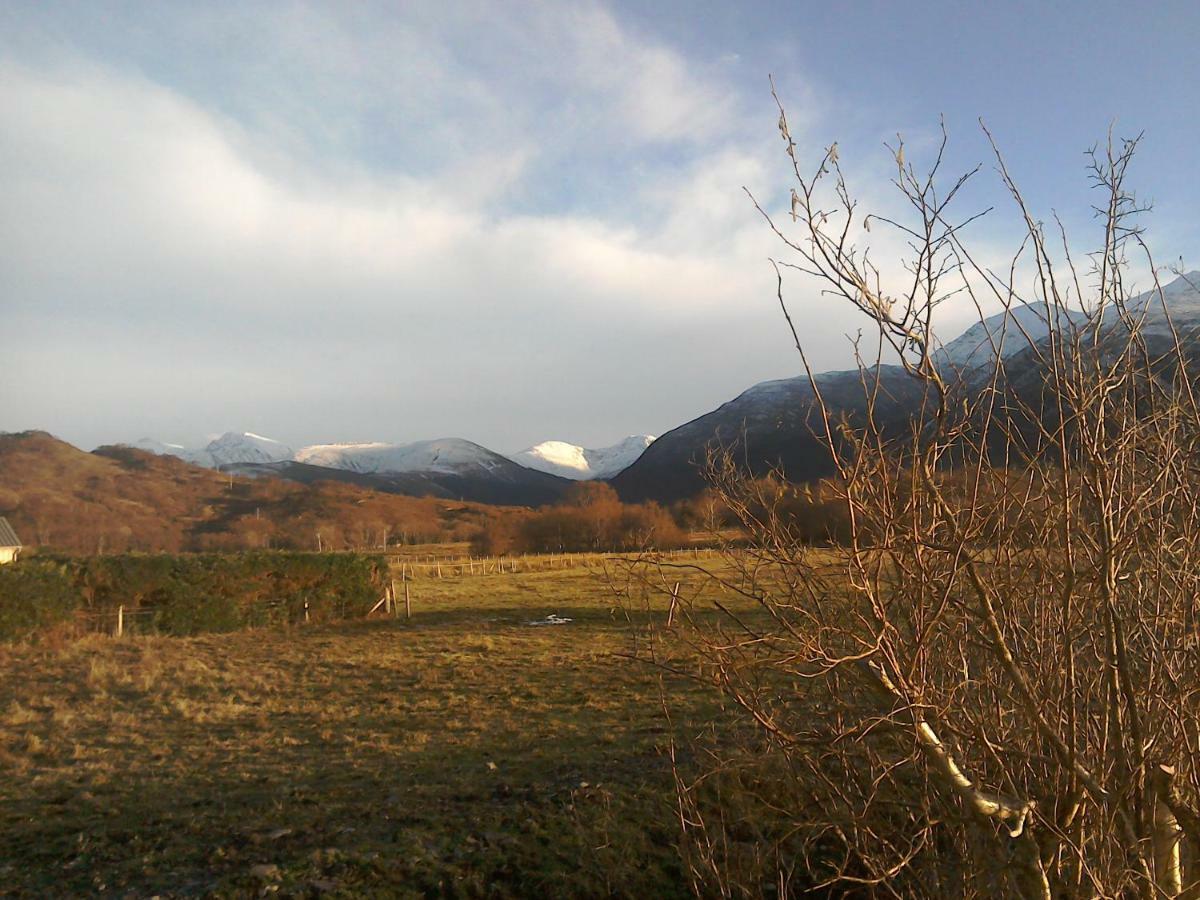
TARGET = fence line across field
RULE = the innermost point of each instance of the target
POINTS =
(529, 562)
(116, 620)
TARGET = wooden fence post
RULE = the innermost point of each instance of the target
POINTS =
(407, 603)
(120, 620)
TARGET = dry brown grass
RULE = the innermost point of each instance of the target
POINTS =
(464, 753)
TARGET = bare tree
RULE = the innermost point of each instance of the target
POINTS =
(994, 688)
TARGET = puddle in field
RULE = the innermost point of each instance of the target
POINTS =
(551, 619)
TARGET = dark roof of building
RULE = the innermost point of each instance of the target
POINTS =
(8, 537)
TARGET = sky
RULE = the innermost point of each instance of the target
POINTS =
(509, 222)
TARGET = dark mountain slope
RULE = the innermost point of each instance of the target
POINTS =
(773, 425)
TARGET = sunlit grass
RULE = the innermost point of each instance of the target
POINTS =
(464, 751)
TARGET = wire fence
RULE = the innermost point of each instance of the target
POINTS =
(123, 619)
(433, 567)
(396, 598)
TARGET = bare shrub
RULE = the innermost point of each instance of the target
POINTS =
(498, 536)
(994, 689)
(591, 518)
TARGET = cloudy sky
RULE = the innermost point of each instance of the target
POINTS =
(503, 221)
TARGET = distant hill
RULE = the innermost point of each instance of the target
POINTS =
(122, 498)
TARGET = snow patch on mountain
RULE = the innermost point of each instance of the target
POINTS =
(556, 457)
(581, 464)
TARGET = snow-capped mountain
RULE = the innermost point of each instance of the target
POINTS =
(451, 468)
(246, 447)
(1182, 300)
(768, 427)
(1010, 332)
(442, 456)
(230, 448)
(771, 425)
(581, 464)
(1014, 330)
(449, 455)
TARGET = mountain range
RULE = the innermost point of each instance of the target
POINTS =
(117, 499)
(451, 468)
(770, 426)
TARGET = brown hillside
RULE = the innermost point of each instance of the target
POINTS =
(117, 498)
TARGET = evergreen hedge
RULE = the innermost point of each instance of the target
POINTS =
(187, 594)
(35, 596)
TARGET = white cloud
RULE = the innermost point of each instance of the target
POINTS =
(655, 93)
(120, 176)
(166, 256)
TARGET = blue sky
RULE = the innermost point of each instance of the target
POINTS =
(508, 222)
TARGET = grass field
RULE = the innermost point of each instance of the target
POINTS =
(462, 753)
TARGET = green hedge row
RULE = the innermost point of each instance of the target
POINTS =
(186, 594)
(35, 596)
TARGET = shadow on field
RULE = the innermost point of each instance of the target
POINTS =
(463, 752)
